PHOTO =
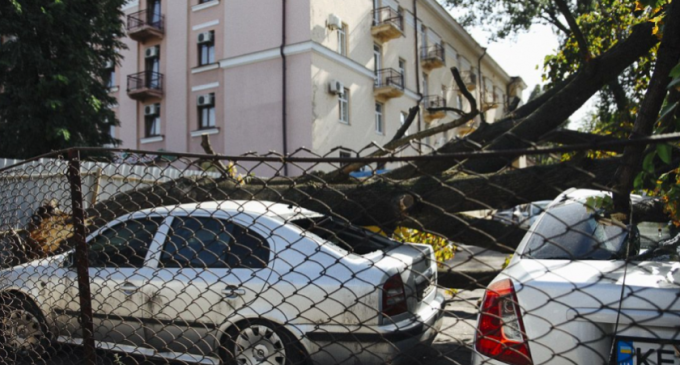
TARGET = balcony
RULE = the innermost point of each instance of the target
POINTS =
(432, 57)
(389, 83)
(387, 24)
(470, 80)
(430, 103)
(490, 101)
(145, 85)
(145, 25)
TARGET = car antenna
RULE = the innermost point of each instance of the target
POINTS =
(612, 352)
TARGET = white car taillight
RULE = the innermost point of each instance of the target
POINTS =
(394, 296)
(500, 331)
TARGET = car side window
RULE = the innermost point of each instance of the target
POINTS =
(197, 242)
(249, 249)
(125, 244)
(204, 242)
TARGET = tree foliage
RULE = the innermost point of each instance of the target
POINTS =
(52, 67)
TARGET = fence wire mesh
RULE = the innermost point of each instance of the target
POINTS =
(117, 257)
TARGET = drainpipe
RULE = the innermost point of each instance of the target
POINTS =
(481, 85)
(417, 64)
(284, 111)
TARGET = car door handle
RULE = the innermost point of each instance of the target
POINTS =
(233, 292)
(128, 288)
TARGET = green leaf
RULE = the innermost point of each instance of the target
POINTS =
(63, 133)
(639, 181)
(674, 84)
(669, 108)
(648, 162)
(665, 152)
(675, 72)
(17, 6)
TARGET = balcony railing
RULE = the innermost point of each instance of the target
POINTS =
(490, 100)
(432, 56)
(387, 24)
(145, 84)
(470, 79)
(432, 102)
(145, 24)
(389, 83)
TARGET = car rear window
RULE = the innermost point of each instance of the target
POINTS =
(572, 232)
(352, 238)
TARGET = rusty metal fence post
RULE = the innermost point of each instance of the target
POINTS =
(81, 260)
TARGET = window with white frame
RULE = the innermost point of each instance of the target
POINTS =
(402, 70)
(379, 123)
(206, 48)
(343, 106)
(206, 113)
(342, 40)
(152, 123)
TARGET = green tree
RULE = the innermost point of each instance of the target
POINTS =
(52, 67)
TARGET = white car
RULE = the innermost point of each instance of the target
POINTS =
(568, 296)
(251, 281)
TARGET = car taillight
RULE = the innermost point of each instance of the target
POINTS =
(394, 296)
(500, 331)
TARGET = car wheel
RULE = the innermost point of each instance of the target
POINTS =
(261, 342)
(23, 331)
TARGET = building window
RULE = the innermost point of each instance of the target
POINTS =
(206, 111)
(377, 58)
(402, 120)
(344, 154)
(152, 125)
(342, 40)
(154, 12)
(379, 124)
(110, 80)
(152, 120)
(426, 85)
(402, 70)
(206, 48)
(459, 101)
(343, 103)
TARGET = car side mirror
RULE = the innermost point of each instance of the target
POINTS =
(69, 260)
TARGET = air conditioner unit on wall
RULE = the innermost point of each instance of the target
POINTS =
(205, 37)
(334, 22)
(205, 100)
(151, 110)
(336, 87)
(151, 52)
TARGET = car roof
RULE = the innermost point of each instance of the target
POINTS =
(252, 207)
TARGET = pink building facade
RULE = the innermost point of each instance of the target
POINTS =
(263, 75)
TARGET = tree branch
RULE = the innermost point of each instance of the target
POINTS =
(412, 113)
(568, 137)
(584, 49)
(446, 109)
(555, 111)
(667, 57)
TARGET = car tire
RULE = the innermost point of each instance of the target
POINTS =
(24, 335)
(261, 342)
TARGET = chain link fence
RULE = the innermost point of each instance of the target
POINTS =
(131, 257)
